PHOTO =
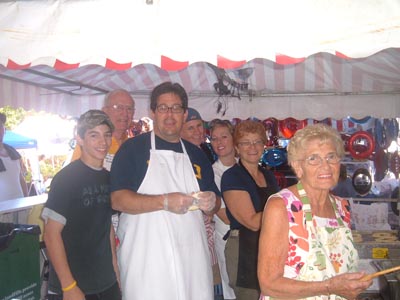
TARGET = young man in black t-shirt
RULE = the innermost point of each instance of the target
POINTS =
(78, 233)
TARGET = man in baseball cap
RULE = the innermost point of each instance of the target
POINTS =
(193, 131)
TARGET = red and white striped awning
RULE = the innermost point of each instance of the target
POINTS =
(300, 48)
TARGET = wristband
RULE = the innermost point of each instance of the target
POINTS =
(70, 287)
(165, 201)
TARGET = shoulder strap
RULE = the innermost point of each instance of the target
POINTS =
(12, 153)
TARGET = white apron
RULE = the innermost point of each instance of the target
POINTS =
(331, 250)
(164, 255)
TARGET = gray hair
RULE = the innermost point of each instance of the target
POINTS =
(109, 95)
(320, 132)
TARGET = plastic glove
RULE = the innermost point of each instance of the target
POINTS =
(204, 200)
(177, 203)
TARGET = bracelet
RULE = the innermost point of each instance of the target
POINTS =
(165, 201)
(70, 287)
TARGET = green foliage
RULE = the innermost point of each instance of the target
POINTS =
(50, 166)
(14, 116)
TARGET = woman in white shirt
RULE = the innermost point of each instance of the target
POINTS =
(221, 132)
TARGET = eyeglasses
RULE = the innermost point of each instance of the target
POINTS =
(247, 144)
(316, 160)
(121, 108)
(176, 108)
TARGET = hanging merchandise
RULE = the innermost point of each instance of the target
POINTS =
(394, 164)
(281, 179)
(289, 126)
(326, 121)
(380, 138)
(274, 157)
(362, 181)
(391, 131)
(364, 124)
(271, 131)
(361, 145)
(381, 164)
(345, 139)
(235, 121)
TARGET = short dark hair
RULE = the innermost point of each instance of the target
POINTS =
(91, 119)
(165, 88)
(3, 118)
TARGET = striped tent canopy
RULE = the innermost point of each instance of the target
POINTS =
(302, 59)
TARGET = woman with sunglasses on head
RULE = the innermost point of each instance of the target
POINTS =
(221, 132)
(306, 245)
(246, 186)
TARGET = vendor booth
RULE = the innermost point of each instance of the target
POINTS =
(285, 63)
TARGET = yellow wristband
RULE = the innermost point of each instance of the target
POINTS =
(70, 287)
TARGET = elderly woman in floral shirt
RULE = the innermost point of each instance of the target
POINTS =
(306, 245)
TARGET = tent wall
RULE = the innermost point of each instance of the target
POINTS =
(321, 86)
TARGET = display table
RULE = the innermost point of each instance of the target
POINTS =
(377, 244)
(18, 204)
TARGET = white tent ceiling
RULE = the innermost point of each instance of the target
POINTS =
(306, 59)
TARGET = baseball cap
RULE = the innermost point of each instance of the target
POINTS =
(193, 115)
(91, 119)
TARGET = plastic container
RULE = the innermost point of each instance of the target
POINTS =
(19, 261)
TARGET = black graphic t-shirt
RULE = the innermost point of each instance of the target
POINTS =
(79, 198)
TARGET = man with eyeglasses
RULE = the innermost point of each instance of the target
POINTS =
(12, 180)
(163, 185)
(120, 107)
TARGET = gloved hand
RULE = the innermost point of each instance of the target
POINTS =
(204, 200)
(177, 203)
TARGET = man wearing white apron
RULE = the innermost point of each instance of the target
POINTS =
(156, 179)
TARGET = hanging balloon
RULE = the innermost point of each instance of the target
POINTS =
(289, 126)
(362, 181)
(274, 157)
(361, 145)
(394, 164)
